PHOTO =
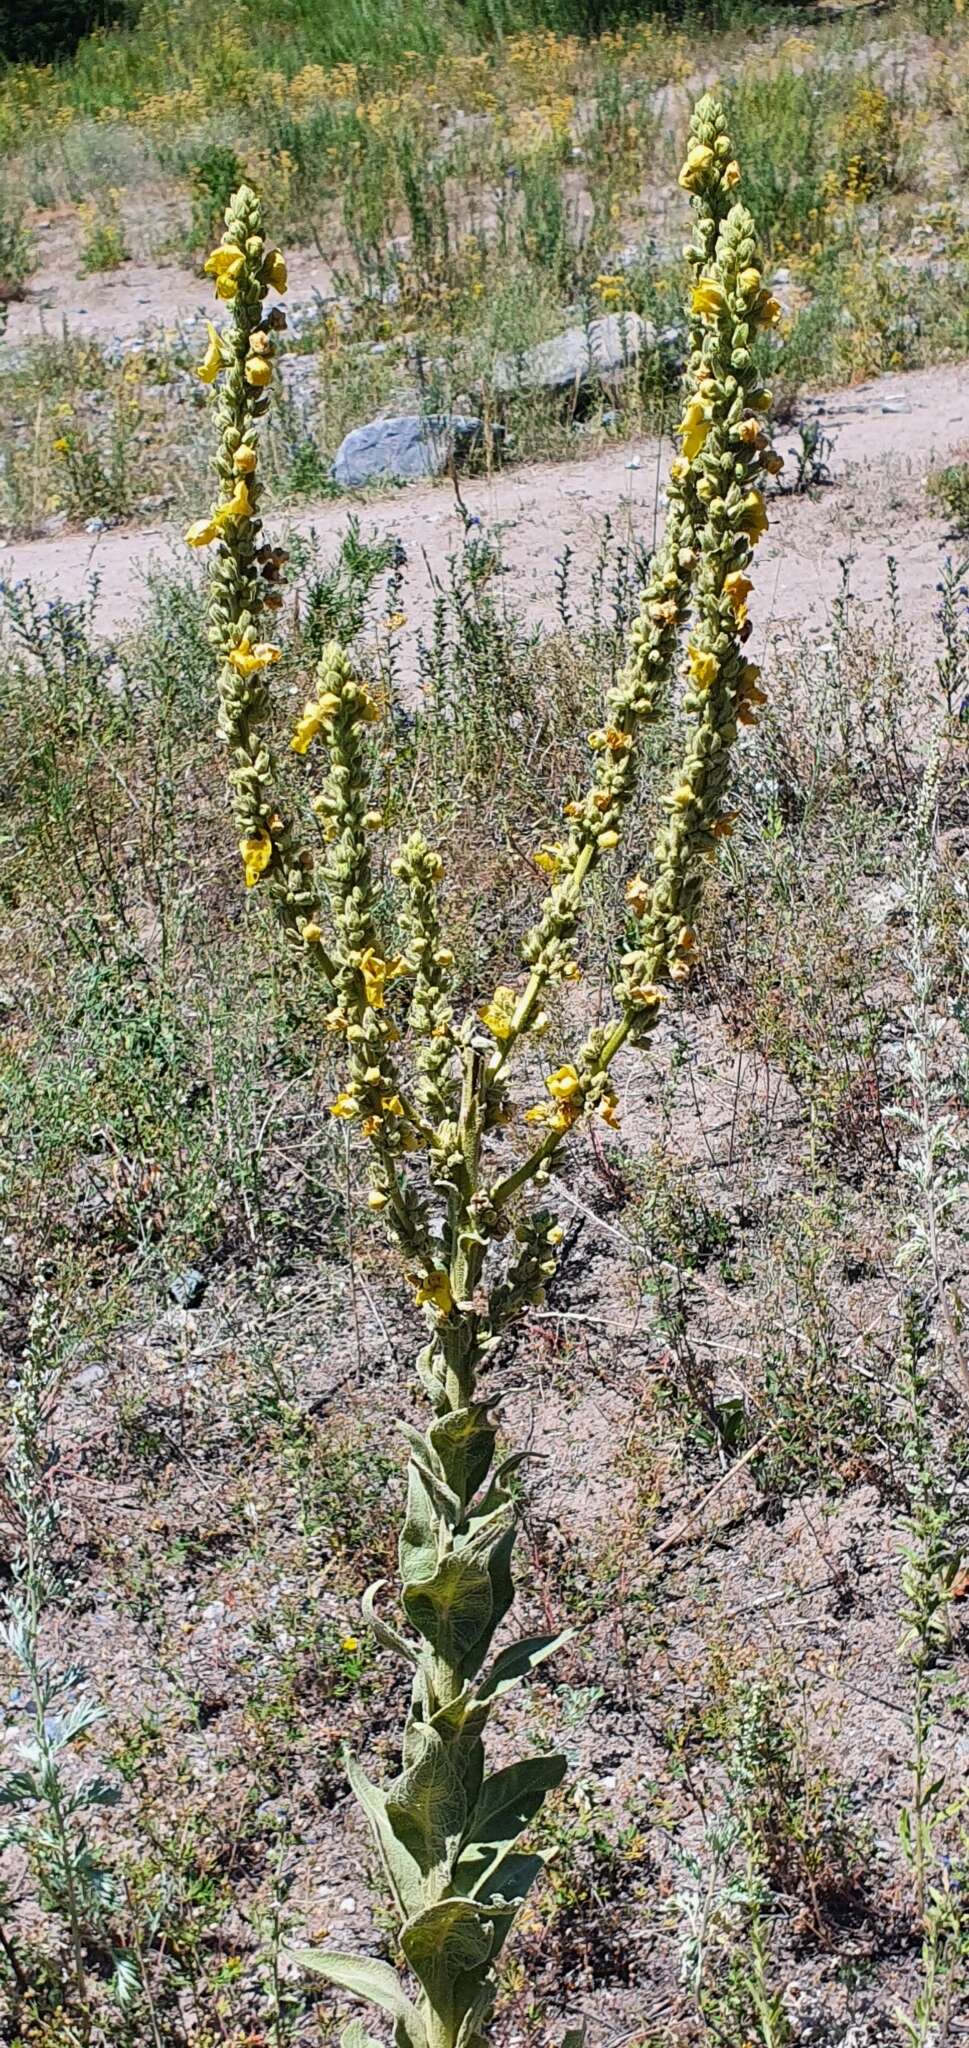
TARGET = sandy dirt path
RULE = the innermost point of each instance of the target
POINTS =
(887, 434)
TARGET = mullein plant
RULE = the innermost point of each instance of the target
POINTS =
(428, 1090)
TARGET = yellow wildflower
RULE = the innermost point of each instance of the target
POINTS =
(607, 1110)
(737, 589)
(563, 1084)
(683, 796)
(694, 427)
(257, 852)
(246, 658)
(704, 666)
(435, 1290)
(679, 468)
(637, 896)
(754, 519)
(607, 840)
(244, 460)
(225, 265)
(345, 1106)
(213, 360)
(731, 174)
(274, 271)
(647, 996)
(698, 162)
(376, 1200)
(767, 311)
(709, 298)
(550, 859)
(392, 1104)
(239, 506)
(349, 1643)
(258, 371)
(202, 533)
(749, 282)
(497, 1016)
(311, 932)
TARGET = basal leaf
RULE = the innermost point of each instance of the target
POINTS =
(364, 1977)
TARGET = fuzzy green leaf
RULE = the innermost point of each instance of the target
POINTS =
(418, 1547)
(508, 1800)
(518, 1661)
(402, 1871)
(356, 2036)
(502, 1595)
(448, 1947)
(452, 1610)
(465, 1443)
(511, 1883)
(366, 1978)
(426, 1806)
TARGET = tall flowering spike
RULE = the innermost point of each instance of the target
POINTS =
(474, 1255)
(239, 363)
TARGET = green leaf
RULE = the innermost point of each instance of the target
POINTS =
(356, 2036)
(452, 1610)
(518, 1661)
(465, 1444)
(508, 1800)
(426, 1805)
(401, 1869)
(388, 1638)
(502, 1595)
(448, 1947)
(511, 1883)
(418, 1547)
(365, 1978)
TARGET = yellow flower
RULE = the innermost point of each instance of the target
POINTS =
(767, 311)
(753, 520)
(274, 271)
(349, 1643)
(246, 659)
(607, 1110)
(258, 372)
(497, 1015)
(563, 1084)
(376, 1200)
(749, 282)
(213, 360)
(257, 852)
(244, 460)
(202, 533)
(694, 427)
(436, 1290)
(683, 796)
(708, 298)
(731, 174)
(345, 1106)
(62, 445)
(223, 262)
(737, 589)
(607, 840)
(679, 468)
(392, 1104)
(698, 162)
(637, 896)
(550, 859)
(704, 667)
(311, 933)
(239, 506)
(538, 1114)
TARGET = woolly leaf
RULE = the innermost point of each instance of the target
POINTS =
(518, 1661)
(511, 1883)
(364, 1977)
(387, 1637)
(426, 1806)
(356, 2036)
(453, 1609)
(418, 1546)
(447, 1947)
(465, 1443)
(508, 1800)
(403, 1873)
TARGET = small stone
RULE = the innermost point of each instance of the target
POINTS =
(187, 1289)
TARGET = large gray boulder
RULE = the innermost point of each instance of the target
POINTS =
(602, 353)
(398, 450)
